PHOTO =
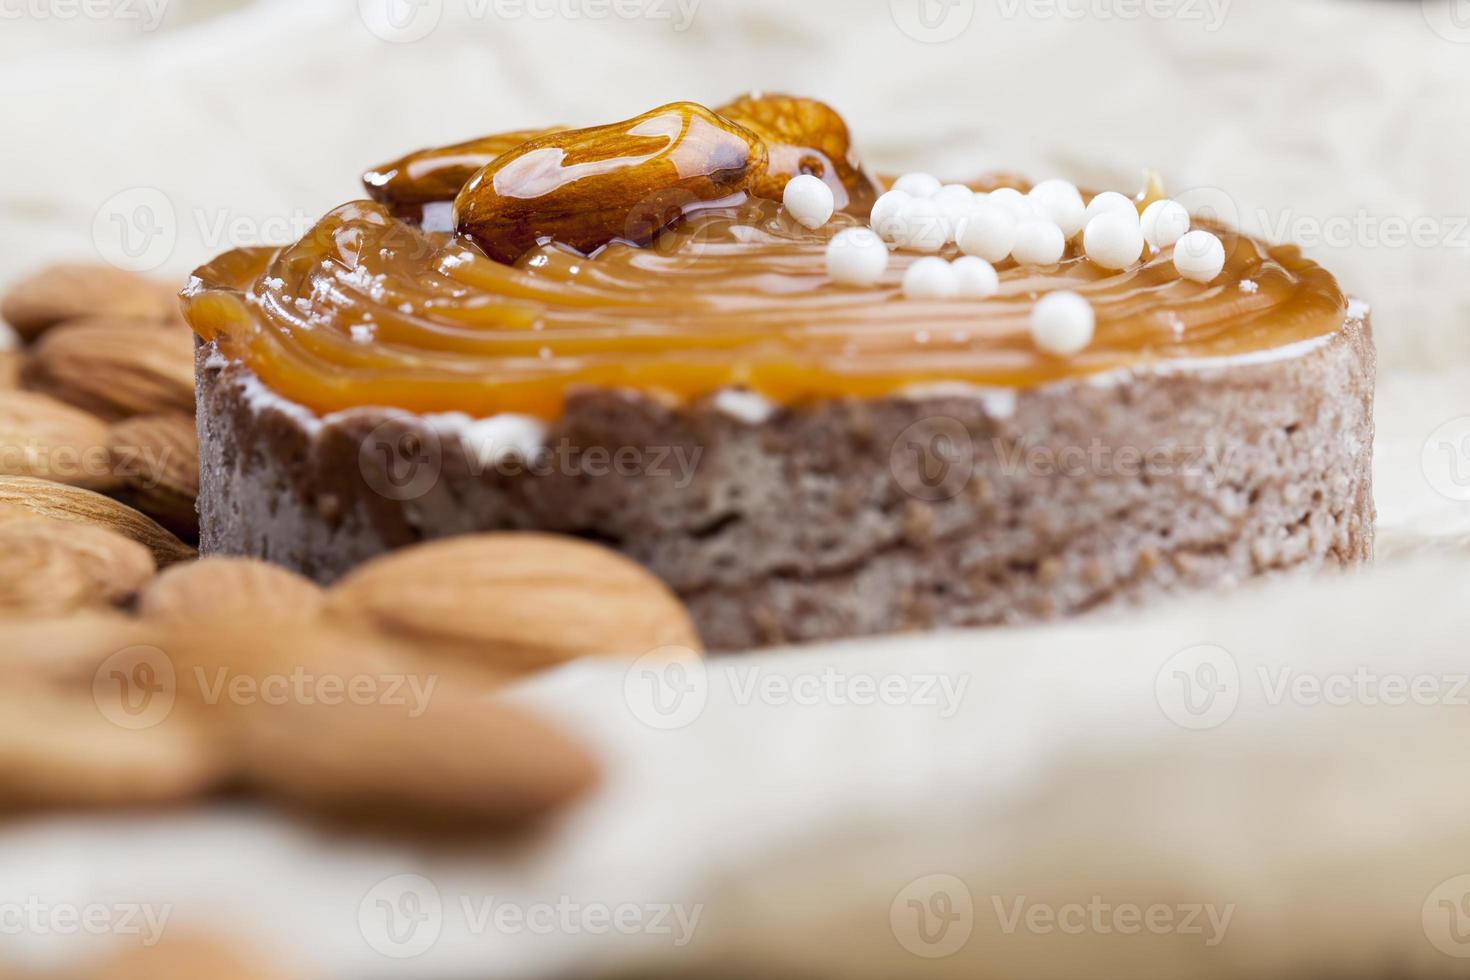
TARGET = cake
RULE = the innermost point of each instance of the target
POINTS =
(636, 334)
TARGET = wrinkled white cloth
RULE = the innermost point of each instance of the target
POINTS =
(1035, 810)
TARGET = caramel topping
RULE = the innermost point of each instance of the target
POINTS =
(370, 310)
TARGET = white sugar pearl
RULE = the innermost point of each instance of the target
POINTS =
(1113, 240)
(954, 202)
(885, 209)
(1062, 323)
(856, 257)
(1199, 256)
(1038, 243)
(809, 200)
(988, 231)
(1108, 201)
(918, 185)
(930, 278)
(1013, 201)
(976, 277)
(1164, 223)
(1059, 202)
(920, 226)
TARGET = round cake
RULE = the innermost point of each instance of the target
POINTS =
(676, 336)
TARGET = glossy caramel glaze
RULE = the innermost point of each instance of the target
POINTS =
(370, 310)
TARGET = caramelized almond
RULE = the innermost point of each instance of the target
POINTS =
(625, 181)
(439, 174)
(804, 136)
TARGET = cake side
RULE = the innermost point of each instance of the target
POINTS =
(846, 517)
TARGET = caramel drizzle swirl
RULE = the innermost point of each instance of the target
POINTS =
(368, 309)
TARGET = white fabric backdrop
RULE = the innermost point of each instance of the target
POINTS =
(794, 827)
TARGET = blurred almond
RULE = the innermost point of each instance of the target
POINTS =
(223, 589)
(519, 600)
(68, 649)
(23, 498)
(72, 291)
(46, 438)
(116, 368)
(59, 750)
(11, 363)
(188, 958)
(156, 460)
(49, 567)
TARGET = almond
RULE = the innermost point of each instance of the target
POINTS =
(67, 650)
(11, 364)
(23, 498)
(116, 368)
(49, 567)
(361, 729)
(803, 136)
(439, 174)
(58, 749)
(519, 601)
(156, 460)
(46, 438)
(69, 292)
(625, 181)
(224, 589)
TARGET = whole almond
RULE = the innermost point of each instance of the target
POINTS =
(624, 181)
(43, 437)
(11, 364)
(803, 136)
(49, 567)
(439, 174)
(225, 589)
(23, 498)
(156, 460)
(71, 291)
(188, 957)
(116, 368)
(58, 748)
(521, 601)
